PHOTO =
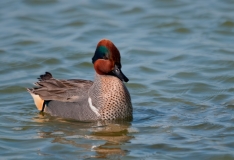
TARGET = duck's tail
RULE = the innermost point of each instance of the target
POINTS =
(37, 99)
(39, 102)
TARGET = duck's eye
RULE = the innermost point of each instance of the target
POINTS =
(117, 70)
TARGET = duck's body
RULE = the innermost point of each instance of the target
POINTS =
(107, 98)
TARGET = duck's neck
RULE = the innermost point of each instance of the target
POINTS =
(107, 79)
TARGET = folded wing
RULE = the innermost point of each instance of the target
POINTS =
(49, 88)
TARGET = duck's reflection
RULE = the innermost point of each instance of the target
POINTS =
(105, 138)
(114, 134)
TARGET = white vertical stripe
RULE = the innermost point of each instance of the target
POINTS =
(93, 108)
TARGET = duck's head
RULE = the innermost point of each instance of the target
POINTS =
(106, 60)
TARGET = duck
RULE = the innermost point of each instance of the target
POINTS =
(104, 98)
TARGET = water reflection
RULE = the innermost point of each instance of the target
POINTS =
(105, 138)
(114, 134)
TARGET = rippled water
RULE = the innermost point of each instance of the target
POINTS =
(178, 55)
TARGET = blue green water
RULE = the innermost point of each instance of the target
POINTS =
(178, 55)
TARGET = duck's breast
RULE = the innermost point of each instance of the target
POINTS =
(111, 97)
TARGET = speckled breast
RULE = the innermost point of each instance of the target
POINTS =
(111, 97)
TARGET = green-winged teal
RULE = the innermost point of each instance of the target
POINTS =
(106, 98)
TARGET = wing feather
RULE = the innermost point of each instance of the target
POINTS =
(49, 88)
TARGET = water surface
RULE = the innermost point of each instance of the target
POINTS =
(178, 55)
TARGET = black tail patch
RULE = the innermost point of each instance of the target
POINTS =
(45, 76)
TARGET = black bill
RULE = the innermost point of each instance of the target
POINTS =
(118, 73)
